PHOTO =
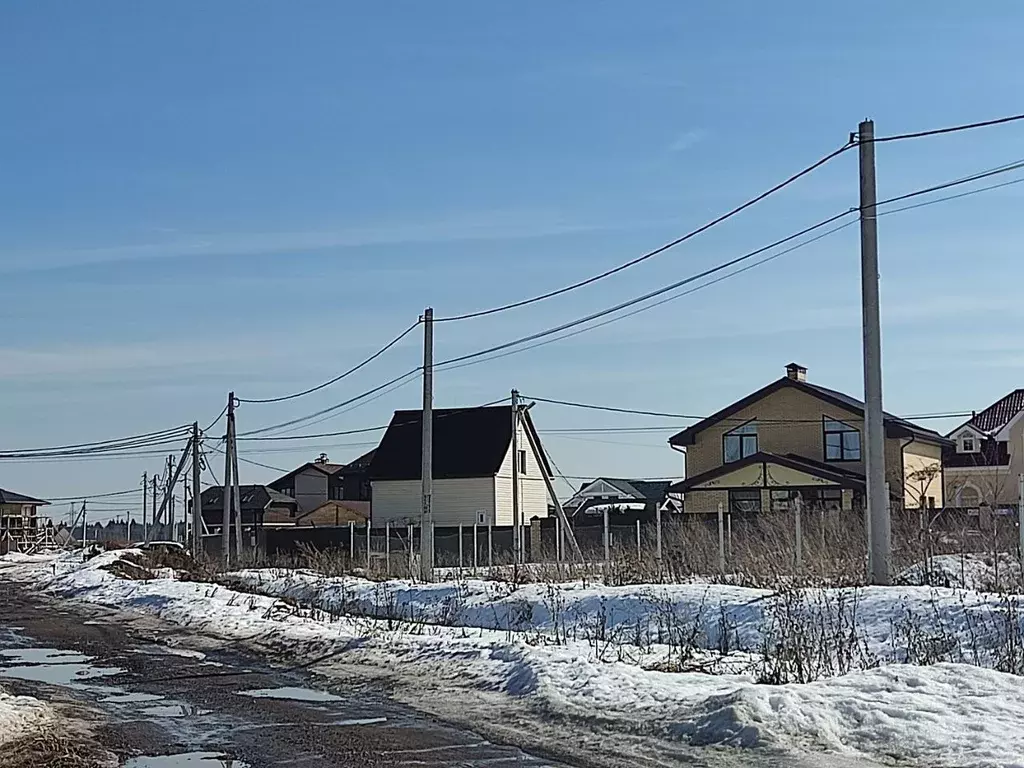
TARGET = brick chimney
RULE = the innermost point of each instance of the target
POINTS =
(796, 372)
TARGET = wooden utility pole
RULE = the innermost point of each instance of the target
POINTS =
(197, 493)
(517, 542)
(225, 528)
(427, 464)
(877, 517)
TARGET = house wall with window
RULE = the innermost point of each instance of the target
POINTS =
(987, 467)
(533, 492)
(787, 421)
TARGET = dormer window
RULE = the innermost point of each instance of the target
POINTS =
(968, 443)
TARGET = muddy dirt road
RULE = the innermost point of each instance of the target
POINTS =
(162, 699)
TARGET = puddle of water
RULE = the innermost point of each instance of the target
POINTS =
(294, 694)
(186, 760)
(59, 674)
(131, 698)
(175, 710)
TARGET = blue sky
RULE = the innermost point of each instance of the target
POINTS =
(199, 197)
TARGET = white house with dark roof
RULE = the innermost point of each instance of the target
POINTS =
(986, 456)
(472, 470)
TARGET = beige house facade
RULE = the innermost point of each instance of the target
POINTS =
(792, 438)
(985, 458)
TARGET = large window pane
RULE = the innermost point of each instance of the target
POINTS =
(842, 441)
(732, 449)
(851, 445)
(740, 442)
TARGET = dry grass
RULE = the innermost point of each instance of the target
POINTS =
(53, 750)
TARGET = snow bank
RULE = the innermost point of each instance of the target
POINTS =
(984, 573)
(890, 622)
(21, 716)
(941, 715)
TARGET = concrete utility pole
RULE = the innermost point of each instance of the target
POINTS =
(225, 528)
(427, 466)
(197, 493)
(879, 526)
(84, 520)
(155, 521)
(170, 497)
(517, 542)
(145, 493)
(237, 490)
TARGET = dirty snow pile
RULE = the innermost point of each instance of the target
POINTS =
(21, 716)
(568, 651)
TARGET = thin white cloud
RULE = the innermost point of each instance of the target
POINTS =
(484, 225)
(686, 140)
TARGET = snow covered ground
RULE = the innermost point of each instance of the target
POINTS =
(610, 656)
(21, 716)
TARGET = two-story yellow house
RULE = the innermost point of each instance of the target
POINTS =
(792, 437)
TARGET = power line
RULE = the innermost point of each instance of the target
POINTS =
(331, 409)
(640, 299)
(665, 300)
(164, 435)
(645, 297)
(318, 435)
(250, 461)
(688, 417)
(661, 249)
(951, 129)
(219, 417)
(968, 193)
(339, 377)
(88, 496)
(965, 180)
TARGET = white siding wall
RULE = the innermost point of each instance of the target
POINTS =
(456, 501)
(533, 493)
(310, 489)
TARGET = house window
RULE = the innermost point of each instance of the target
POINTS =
(780, 501)
(740, 442)
(968, 444)
(522, 462)
(745, 502)
(842, 442)
(481, 517)
(288, 492)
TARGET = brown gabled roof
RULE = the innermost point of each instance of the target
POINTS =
(894, 425)
(999, 414)
(10, 497)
